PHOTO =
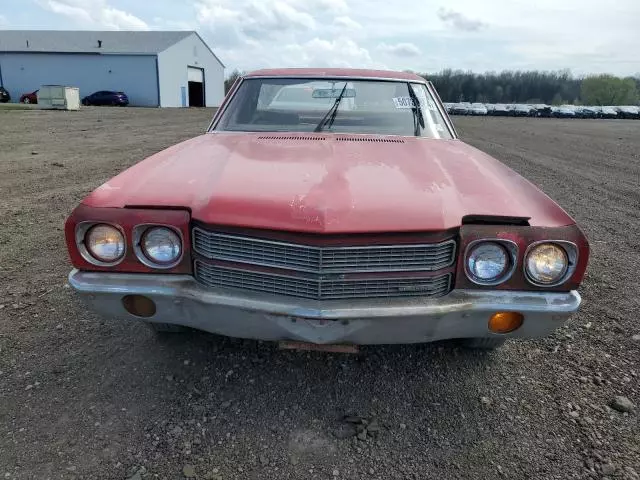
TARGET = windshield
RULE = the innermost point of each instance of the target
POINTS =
(366, 106)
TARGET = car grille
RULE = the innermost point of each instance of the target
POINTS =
(306, 258)
(322, 272)
(321, 288)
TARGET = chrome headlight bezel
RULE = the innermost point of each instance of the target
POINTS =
(139, 232)
(571, 251)
(511, 249)
(82, 230)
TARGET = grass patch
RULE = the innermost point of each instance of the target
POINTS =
(7, 107)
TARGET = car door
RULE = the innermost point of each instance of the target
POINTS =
(109, 98)
(98, 98)
(93, 98)
(101, 98)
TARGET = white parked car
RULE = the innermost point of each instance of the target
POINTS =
(608, 112)
(477, 109)
(315, 96)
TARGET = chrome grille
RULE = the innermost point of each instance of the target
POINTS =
(320, 288)
(306, 258)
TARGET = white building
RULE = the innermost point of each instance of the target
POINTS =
(166, 69)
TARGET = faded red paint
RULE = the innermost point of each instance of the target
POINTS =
(523, 237)
(335, 72)
(127, 219)
(328, 186)
(314, 188)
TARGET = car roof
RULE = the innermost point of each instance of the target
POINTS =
(334, 72)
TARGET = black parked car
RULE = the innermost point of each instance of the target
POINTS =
(608, 112)
(586, 112)
(629, 112)
(500, 110)
(106, 98)
(4, 95)
(542, 110)
(522, 111)
(563, 112)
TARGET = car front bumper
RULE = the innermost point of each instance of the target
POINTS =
(180, 300)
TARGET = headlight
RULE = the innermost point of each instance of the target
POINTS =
(547, 263)
(487, 263)
(105, 243)
(161, 245)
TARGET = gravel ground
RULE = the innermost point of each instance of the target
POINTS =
(87, 398)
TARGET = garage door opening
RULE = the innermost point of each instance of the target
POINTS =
(196, 87)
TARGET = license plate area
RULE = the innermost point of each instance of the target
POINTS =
(317, 347)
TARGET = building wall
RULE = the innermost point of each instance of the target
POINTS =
(136, 75)
(172, 67)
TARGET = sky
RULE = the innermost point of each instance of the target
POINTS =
(584, 36)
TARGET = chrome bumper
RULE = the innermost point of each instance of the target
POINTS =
(181, 300)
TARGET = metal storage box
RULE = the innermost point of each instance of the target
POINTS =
(58, 97)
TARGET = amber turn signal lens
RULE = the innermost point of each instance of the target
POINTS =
(139, 305)
(505, 322)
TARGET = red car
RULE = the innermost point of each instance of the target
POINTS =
(29, 97)
(330, 207)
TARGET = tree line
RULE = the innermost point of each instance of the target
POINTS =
(533, 87)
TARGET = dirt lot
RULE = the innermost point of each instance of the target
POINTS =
(88, 398)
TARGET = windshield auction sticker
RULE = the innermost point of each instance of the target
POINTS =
(403, 102)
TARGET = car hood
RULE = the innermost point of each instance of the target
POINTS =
(328, 183)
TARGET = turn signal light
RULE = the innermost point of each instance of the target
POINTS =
(139, 305)
(505, 322)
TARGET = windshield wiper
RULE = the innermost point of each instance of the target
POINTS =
(418, 119)
(330, 116)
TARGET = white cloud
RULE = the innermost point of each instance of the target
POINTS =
(400, 49)
(347, 23)
(3, 21)
(96, 14)
(240, 21)
(583, 35)
(341, 52)
(119, 20)
(459, 20)
(160, 23)
(336, 7)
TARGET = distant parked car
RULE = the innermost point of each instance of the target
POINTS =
(106, 98)
(542, 110)
(523, 111)
(477, 109)
(4, 95)
(586, 112)
(629, 112)
(321, 96)
(608, 112)
(500, 110)
(563, 112)
(459, 109)
(29, 97)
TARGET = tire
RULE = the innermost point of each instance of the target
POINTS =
(163, 328)
(26, 101)
(482, 343)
